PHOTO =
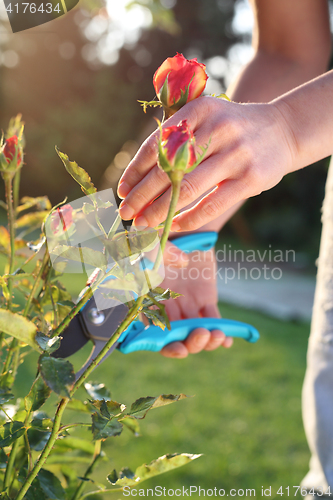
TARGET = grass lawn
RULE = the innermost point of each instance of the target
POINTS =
(245, 416)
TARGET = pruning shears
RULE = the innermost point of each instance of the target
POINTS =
(98, 326)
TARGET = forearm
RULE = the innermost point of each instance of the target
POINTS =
(307, 117)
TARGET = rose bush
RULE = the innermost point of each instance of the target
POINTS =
(36, 308)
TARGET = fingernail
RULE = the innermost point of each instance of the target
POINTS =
(140, 221)
(123, 189)
(175, 227)
(126, 211)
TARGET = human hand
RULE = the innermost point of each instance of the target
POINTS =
(197, 284)
(250, 150)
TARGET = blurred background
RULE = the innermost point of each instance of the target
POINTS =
(77, 80)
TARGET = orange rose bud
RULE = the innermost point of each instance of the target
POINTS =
(178, 81)
(176, 148)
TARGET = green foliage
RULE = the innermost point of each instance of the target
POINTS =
(58, 374)
(156, 467)
(19, 327)
(78, 174)
(37, 396)
(35, 310)
(11, 431)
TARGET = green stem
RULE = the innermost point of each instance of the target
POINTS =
(123, 325)
(8, 179)
(65, 322)
(47, 450)
(16, 188)
(176, 179)
(10, 465)
(90, 469)
(43, 266)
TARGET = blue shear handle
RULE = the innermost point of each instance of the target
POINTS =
(153, 338)
(198, 241)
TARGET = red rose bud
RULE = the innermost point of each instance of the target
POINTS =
(61, 219)
(11, 154)
(176, 148)
(178, 81)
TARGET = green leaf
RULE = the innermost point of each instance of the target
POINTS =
(141, 406)
(42, 202)
(132, 424)
(85, 255)
(51, 485)
(5, 397)
(127, 244)
(158, 317)
(103, 427)
(37, 396)
(19, 327)
(48, 344)
(107, 409)
(42, 423)
(160, 294)
(156, 467)
(3, 459)
(58, 374)
(10, 431)
(35, 492)
(39, 433)
(32, 220)
(78, 174)
(97, 391)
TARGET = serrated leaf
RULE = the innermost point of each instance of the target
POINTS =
(156, 467)
(78, 174)
(37, 396)
(160, 294)
(57, 373)
(107, 409)
(141, 406)
(19, 327)
(87, 208)
(39, 433)
(11, 431)
(85, 255)
(97, 391)
(103, 427)
(157, 317)
(132, 424)
(51, 485)
(48, 344)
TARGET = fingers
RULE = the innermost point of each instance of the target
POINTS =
(210, 206)
(204, 178)
(175, 350)
(145, 159)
